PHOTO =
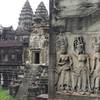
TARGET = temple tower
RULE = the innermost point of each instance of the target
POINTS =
(41, 12)
(26, 17)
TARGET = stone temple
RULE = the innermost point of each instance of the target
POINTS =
(56, 54)
(24, 54)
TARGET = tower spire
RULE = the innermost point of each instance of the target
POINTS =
(41, 11)
(26, 16)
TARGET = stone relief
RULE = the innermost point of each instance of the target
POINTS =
(64, 69)
(38, 41)
(95, 72)
(79, 72)
(61, 40)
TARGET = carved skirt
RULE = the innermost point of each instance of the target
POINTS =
(80, 80)
(64, 79)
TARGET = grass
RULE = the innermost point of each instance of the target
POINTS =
(4, 95)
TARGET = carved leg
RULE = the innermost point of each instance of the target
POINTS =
(60, 81)
(68, 81)
(93, 83)
(79, 83)
(84, 81)
(96, 87)
(74, 82)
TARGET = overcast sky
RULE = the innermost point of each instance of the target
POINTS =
(10, 10)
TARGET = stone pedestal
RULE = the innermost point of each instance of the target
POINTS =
(42, 97)
(65, 96)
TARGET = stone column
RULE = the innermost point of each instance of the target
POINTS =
(2, 79)
(32, 57)
(23, 56)
(52, 58)
(52, 66)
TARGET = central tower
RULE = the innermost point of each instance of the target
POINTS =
(26, 17)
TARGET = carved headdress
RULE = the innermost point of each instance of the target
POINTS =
(64, 44)
(61, 41)
(79, 44)
(96, 44)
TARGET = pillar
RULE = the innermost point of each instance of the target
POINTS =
(52, 58)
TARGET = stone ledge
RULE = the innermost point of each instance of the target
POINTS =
(65, 96)
(42, 97)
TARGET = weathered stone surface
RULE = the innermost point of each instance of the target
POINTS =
(76, 15)
(78, 22)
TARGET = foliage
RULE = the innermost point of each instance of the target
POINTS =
(4, 95)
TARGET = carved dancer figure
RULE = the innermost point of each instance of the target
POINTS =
(64, 70)
(96, 69)
(82, 72)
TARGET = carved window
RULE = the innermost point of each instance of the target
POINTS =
(5, 58)
(19, 57)
(13, 57)
(37, 58)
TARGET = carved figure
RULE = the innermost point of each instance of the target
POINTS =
(82, 72)
(44, 73)
(64, 69)
(96, 68)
